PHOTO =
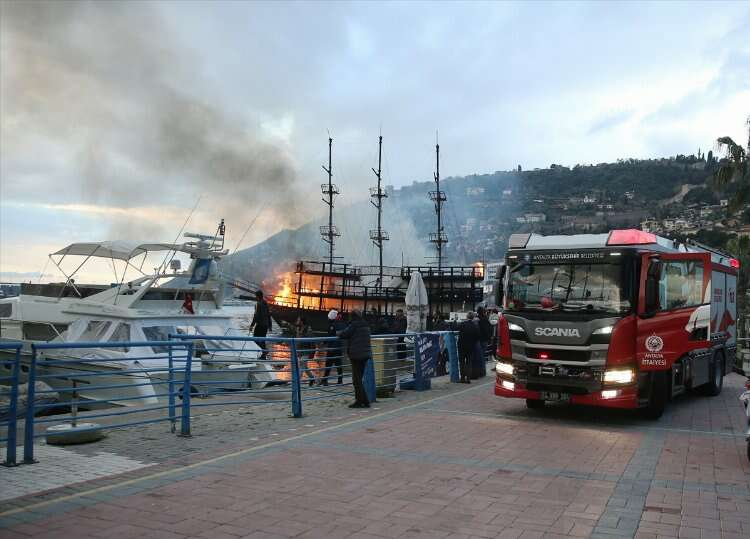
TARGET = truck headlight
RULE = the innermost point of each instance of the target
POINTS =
(514, 327)
(606, 330)
(505, 368)
(619, 376)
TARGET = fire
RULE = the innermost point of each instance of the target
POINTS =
(282, 289)
(480, 268)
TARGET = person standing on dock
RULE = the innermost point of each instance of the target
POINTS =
(399, 328)
(485, 335)
(261, 323)
(305, 350)
(334, 353)
(468, 337)
(359, 350)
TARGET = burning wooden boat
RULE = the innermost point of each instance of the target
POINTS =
(316, 287)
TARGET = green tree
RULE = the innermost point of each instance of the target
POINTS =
(733, 169)
(739, 246)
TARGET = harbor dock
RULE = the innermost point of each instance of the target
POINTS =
(454, 461)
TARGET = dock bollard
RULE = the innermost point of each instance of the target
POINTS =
(74, 432)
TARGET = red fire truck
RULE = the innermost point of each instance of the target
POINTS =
(626, 319)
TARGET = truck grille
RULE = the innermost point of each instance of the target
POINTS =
(554, 354)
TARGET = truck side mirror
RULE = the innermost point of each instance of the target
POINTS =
(653, 276)
(499, 296)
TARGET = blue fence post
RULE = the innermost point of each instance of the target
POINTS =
(369, 380)
(452, 346)
(10, 450)
(296, 386)
(28, 437)
(170, 390)
(185, 426)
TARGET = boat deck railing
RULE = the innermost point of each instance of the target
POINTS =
(102, 386)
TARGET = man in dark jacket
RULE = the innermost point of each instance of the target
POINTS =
(261, 323)
(468, 337)
(485, 336)
(358, 348)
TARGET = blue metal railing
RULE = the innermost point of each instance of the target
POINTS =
(133, 383)
(268, 366)
(10, 371)
(155, 378)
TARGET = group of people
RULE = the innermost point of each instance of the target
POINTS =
(356, 334)
(474, 337)
(475, 334)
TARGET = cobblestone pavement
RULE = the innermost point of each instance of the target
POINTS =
(452, 462)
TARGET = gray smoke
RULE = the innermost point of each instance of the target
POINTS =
(106, 93)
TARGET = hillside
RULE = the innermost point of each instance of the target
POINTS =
(483, 210)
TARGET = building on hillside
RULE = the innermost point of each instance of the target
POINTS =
(650, 225)
(507, 193)
(474, 191)
(744, 231)
(630, 195)
(724, 202)
(589, 199)
(531, 218)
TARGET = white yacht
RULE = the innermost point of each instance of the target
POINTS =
(148, 308)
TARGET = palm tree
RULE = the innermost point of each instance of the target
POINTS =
(733, 168)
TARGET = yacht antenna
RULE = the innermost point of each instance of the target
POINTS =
(378, 236)
(439, 238)
(330, 190)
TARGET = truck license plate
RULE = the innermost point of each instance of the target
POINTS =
(555, 396)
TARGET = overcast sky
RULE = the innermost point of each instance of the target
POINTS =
(115, 119)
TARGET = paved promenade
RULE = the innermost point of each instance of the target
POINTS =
(452, 462)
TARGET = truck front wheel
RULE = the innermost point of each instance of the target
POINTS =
(657, 399)
(715, 376)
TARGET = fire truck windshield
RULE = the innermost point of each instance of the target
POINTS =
(567, 287)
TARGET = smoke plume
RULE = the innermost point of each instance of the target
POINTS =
(114, 104)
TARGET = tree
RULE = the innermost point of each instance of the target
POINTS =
(739, 246)
(733, 169)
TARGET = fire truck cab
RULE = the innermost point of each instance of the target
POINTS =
(625, 319)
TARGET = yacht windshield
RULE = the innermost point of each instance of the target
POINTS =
(568, 287)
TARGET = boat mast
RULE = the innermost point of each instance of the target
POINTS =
(439, 237)
(378, 236)
(330, 190)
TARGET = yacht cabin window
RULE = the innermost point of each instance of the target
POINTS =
(121, 334)
(6, 310)
(95, 331)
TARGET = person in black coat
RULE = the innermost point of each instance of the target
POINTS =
(261, 322)
(359, 350)
(468, 337)
(485, 336)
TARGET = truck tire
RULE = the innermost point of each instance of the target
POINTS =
(534, 403)
(657, 398)
(715, 376)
